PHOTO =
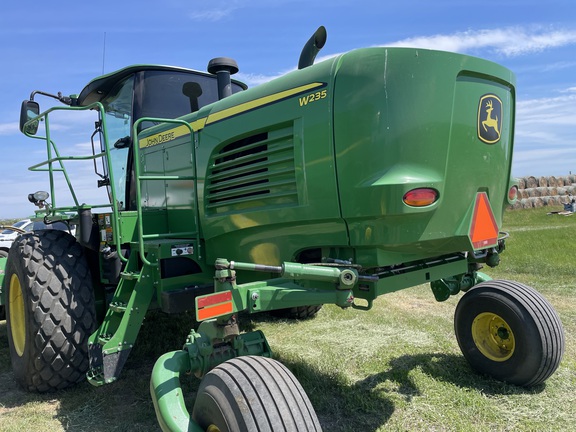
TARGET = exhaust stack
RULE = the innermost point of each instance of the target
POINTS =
(312, 47)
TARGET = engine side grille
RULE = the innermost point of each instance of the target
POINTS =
(257, 171)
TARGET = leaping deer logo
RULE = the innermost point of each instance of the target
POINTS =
(489, 119)
(490, 122)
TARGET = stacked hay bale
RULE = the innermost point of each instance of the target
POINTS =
(543, 191)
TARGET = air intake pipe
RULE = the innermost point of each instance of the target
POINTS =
(223, 68)
(312, 47)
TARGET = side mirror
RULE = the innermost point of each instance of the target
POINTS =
(29, 110)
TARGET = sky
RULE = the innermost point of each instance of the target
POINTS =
(59, 46)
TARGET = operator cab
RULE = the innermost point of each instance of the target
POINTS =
(144, 91)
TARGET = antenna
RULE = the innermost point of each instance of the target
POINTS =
(104, 53)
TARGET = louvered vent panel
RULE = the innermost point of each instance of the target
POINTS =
(257, 171)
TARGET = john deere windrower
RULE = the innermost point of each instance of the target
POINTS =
(373, 171)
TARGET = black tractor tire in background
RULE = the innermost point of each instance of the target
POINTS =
(299, 312)
(49, 310)
(3, 253)
(509, 331)
(251, 393)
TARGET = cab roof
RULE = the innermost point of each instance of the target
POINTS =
(98, 88)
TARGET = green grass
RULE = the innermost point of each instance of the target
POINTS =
(396, 367)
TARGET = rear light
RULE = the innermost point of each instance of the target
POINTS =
(421, 197)
(513, 193)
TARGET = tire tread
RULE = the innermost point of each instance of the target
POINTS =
(262, 394)
(61, 313)
(537, 309)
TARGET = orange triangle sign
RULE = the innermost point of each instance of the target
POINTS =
(484, 230)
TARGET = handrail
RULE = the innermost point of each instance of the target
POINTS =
(139, 177)
(51, 146)
(97, 106)
(63, 158)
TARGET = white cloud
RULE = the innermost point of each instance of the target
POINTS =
(255, 79)
(509, 42)
(9, 128)
(211, 15)
(560, 110)
(217, 10)
(544, 135)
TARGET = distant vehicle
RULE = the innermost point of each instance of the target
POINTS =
(8, 235)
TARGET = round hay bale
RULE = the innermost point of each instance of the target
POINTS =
(517, 205)
(552, 181)
(531, 182)
(533, 192)
(523, 193)
(526, 203)
(566, 181)
(521, 183)
(554, 201)
(538, 202)
(543, 182)
(552, 191)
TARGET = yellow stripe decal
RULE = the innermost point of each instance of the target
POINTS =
(198, 124)
(257, 103)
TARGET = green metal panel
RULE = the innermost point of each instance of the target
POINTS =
(321, 158)
(280, 195)
(414, 115)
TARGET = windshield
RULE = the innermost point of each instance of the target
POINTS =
(172, 94)
(118, 118)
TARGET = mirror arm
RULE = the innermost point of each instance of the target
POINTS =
(64, 99)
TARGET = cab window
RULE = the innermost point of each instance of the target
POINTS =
(118, 117)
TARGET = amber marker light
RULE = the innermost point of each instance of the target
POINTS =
(512, 193)
(421, 197)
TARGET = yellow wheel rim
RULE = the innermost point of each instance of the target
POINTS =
(213, 428)
(493, 336)
(17, 320)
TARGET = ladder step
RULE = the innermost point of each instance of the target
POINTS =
(130, 275)
(104, 338)
(118, 307)
(95, 377)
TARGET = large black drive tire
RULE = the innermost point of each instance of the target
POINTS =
(50, 310)
(249, 394)
(300, 312)
(509, 331)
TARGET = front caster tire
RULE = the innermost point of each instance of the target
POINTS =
(50, 310)
(251, 393)
(509, 331)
